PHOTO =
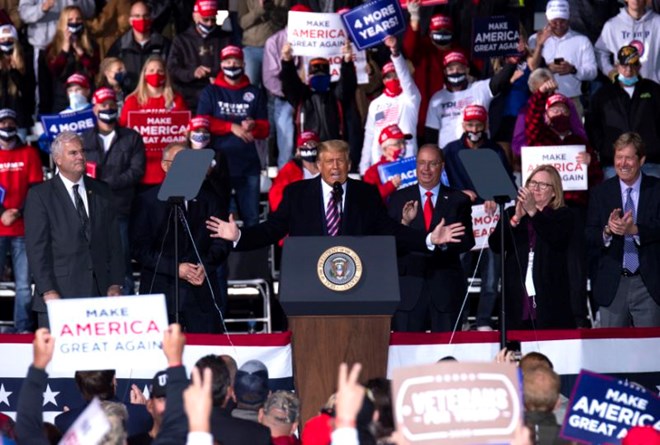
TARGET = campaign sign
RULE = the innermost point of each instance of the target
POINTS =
(457, 403)
(406, 168)
(102, 332)
(602, 409)
(77, 121)
(159, 128)
(89, 427)
(369, 23)
(404, 3)
(316, 34)
(495, 36)
(359, 60)
(3, 193)
(483, 225)
(562, 157)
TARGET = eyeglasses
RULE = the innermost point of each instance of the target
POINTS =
(429, 164)
(543, 186)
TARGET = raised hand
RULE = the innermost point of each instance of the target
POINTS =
(409, 212)
(173, 343)
(451, 233)
(350, 395)
(198, 400)
(221, 229)
(43, 346)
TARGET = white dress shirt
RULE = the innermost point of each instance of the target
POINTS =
(81, 190)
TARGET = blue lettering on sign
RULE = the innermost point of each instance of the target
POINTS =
(370, 23)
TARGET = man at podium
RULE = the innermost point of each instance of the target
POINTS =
(332, 205)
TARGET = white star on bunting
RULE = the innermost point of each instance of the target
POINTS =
(4, 395)
(49, 396)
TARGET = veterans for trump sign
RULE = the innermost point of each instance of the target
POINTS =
(457, 403)
(316, 34)
(369, 23)
(495, 36)
(602, 409)
(106, 331)
(562, 157)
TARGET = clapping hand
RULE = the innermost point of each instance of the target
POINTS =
(444, 234)
(409, 212)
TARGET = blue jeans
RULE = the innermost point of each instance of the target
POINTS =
(246, 198)
(283, 119)
(253, 56)
(129, 284)
(489, 271)
(22, 310)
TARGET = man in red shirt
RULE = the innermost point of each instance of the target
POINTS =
(20, 167)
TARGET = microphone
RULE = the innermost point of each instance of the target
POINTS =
(337, 193)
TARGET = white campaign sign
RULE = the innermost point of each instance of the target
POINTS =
(562, 157)
(90, 426)
(483, 224)
(99, 333)
(359, 59)
(316, 34)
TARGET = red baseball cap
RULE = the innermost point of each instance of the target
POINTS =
(77, 79)
(392, 132)
(231, 51)
(555, 99)
(300, 8)
(455, 56)
(206, 8)
(306, 136)
(475, 112)
(388, 68)
(642, 435)
(198, 122)
(341, 11)
(439, 22)
(103, 94)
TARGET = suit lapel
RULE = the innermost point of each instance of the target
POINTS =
(64, 197)
(91, 200)
(440, 206)
(643, 198)
(418, 222)
(318, 217)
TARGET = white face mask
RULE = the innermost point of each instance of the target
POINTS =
(77, 101)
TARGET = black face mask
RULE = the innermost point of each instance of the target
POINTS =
(205, 30)
(457, 80)
(7, 133)
(7, 48)
(441, 37)
(233, 73)
(75, 28)
(108, 116)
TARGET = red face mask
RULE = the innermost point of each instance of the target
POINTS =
(141, 25)
(392, 87)
(156, 80)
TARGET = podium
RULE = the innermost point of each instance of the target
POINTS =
(339, 294)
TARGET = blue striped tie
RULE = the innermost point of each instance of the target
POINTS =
(630, 254)
(332, 218)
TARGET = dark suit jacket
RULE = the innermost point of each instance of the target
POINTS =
(438, 274)
(150, 225)
(605, 198)
(301, 213)
(59, 256)
(229, 430)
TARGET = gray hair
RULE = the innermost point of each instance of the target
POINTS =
(65, 137)
(286, 402)
(171, 146)
(117, 415)
(537, 77)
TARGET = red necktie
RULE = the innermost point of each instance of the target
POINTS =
(428, 210)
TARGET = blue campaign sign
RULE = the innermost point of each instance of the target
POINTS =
(370, 23)
(602, 409)
(77, 122)
(3, 192)
(406, 168)
(495, 36)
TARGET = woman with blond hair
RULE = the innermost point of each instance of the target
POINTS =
(154, 93)
(14, 85)
(71, 51)
(112, 73)
(537, 232)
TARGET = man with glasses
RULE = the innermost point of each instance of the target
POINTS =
(432, 284)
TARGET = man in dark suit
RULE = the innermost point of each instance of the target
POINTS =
(623, 229)
(431, 283)
(71, 232)
(332, 205)
(152, 243)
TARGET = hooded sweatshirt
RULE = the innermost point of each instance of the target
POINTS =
(623, 30)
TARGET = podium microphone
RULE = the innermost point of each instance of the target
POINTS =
(338, 193)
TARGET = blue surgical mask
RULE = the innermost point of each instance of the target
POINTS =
(205, 30)
(628, 81)
(320, 83)
(120, 76)
(108, 116)
(7, 48)
(75, 28)
(77, 101)
(8, 133)
(199, 139)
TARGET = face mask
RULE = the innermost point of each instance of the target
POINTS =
(320, 83)
(156, 80)
(108, 116)
(77, 101)
(233, 73)
(396, 154)
(75, 28)
(441, 37)
(392, 86)
(120, 76)
(205, 30)
(628, 81)
(475, 136)
(141, 25)
(199, 139)
(7, 133)
(456, 80)
(561, 123)
(7, 48)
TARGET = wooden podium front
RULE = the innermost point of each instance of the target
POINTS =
(321, 343)
(337, 313)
